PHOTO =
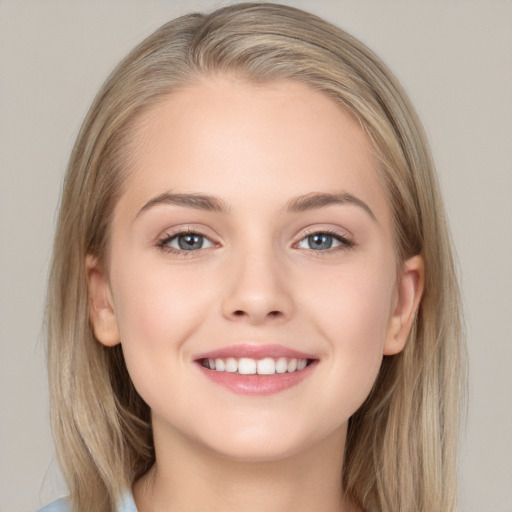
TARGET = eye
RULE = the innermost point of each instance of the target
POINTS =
(324, 241)
(186, 242)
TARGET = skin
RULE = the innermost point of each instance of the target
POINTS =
(256, 280)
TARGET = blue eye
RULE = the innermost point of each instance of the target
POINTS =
(324, 241)
(186, 242)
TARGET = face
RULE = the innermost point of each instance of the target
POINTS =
(252, 276)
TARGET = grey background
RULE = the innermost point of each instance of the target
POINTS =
(455, 60)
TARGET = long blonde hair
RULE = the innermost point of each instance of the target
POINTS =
(401, 445)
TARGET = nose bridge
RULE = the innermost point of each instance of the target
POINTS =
(258, 288)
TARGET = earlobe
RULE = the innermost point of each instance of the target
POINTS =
(101, 305)
(409, 293)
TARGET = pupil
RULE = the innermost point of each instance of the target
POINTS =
(320, 241)
(190, 242)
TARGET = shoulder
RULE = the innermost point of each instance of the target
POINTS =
(61, 505)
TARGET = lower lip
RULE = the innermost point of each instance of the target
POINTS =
(258, 385)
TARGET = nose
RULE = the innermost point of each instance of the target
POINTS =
(259, 290)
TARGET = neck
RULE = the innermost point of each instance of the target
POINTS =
(189, 477)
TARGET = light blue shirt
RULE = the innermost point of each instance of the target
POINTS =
(62, 505)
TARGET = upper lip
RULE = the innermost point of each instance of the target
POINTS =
(254, 351)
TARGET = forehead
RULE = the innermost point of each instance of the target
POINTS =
(227, 137)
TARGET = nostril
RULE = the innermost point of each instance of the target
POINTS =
(270, 314)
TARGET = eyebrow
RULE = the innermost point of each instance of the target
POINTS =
(312, 201)
(197, 201)
(316, 200)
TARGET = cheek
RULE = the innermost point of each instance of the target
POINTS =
(148, 309)
(353, 317)
(158, 308)
(152, 302)
(354, 303)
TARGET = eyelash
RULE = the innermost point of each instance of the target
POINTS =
(163, 242)
(345, 243)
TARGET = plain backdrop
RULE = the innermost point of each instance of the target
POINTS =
(455, 60)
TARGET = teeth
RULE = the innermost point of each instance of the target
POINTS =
(248, 366)
(266, 366)
(292, 365)
(231, 365)
(281, 365)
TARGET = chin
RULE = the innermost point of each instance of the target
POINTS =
(260, 444)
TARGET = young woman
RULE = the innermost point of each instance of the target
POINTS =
(252, 303)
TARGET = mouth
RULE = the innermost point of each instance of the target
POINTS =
(256, 369)
(250, 366)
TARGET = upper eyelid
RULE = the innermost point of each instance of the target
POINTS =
(184, 230)
(170, 236)
(330, 230)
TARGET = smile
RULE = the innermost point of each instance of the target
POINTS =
(257, 370)
(249, 366)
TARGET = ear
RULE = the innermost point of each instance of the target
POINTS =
(408, 297)
(101, 305)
